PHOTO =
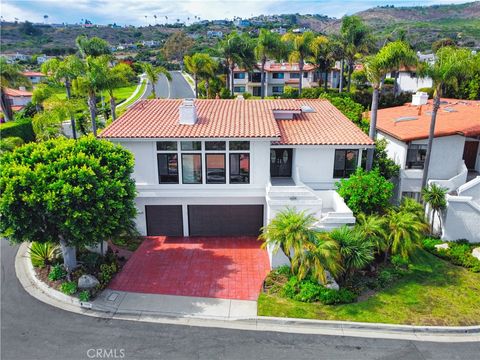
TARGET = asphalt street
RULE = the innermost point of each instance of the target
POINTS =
(178, 88)
(32, 330)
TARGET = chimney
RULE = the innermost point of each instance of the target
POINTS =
(188, 112)
(419, 98)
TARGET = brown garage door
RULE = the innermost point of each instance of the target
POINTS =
(164, 220)
(225, 220)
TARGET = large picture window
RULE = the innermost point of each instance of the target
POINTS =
(191, 168)
(167, 168)
(166, 145)
(278, 75)
(215, 145)
(345, 163)
(416, 156)
(215, 168)
(239, 168)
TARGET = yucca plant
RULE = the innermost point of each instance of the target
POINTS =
(42, 254)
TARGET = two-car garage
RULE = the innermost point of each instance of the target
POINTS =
(204, 220)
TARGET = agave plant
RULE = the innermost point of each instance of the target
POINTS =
(42, 254)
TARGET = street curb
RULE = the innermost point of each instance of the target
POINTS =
(36, 288)
(188, 76)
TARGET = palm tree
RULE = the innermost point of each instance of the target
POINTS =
(237, 50)
(450, 64)
(288, 231)
(153, 73)
(65, 70)
(199, 65)
(91, 82)
(434, 196)
(268, 46)
(300, 50)
(404, 233)
(320, 254)
(322, 56)
(412, 206)
(10, 77)
(391, 56)
(356, 39)
(356, 252)
(94, 46)
(372, 228)
(41, 93)
(116, 77)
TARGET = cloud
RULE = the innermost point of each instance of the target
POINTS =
(137, 12)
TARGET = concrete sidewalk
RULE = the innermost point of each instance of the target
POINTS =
(218, 313)
(121, 302)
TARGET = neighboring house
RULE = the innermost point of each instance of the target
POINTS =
(35, 77)
(454, 163)
(18, 98)
(280, 30)
(277, 76)
(11, 58)
(214, 34)
(225, 167)
(42, 58)
(409, 81)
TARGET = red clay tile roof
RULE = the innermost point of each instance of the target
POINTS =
(17, 92)
(280, 67)
(33, 73)
(454, 117)
(240, 119)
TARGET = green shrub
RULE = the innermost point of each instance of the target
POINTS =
(429, 244)
(290, 93)
(348, 107)
(333, 297)
(386, 277)
(56, 273)
(106, 272)
(68, 287)
(10, 143)
(310, 291)
(42, 254)
(246, 95)
(21, 128)
(389, 81)
(366, 192)
(399, 262)
(458, 253)
(84, 296)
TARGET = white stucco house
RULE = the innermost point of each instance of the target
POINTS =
(35, 77)
(225, 167)
(455, 158)
(18, 98)
(409, 81)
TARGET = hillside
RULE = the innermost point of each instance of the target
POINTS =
(423, 26)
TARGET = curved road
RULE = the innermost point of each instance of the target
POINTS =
(178, 88)
(32, 330)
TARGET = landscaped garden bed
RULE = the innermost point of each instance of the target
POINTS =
(433, 292)
(48, 265)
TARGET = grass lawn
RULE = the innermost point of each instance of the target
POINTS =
(136, 97)
(434, 293)
(120, 94)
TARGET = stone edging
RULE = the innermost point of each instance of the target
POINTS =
(38, 289)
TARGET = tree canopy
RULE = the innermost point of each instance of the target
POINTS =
(78, 191)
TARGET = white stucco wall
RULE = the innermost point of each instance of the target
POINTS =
(315, 165)
(146, 167)
(447, 153)
(409, 83)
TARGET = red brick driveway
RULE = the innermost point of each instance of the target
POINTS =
(216, 267)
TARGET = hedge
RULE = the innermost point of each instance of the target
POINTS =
(21, 128)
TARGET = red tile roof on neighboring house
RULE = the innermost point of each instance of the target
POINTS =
(218, 118)
(33, 73)
(17, 92)
(408, 123)
(280, 67)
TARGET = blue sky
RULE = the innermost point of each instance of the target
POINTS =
(134, 11)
